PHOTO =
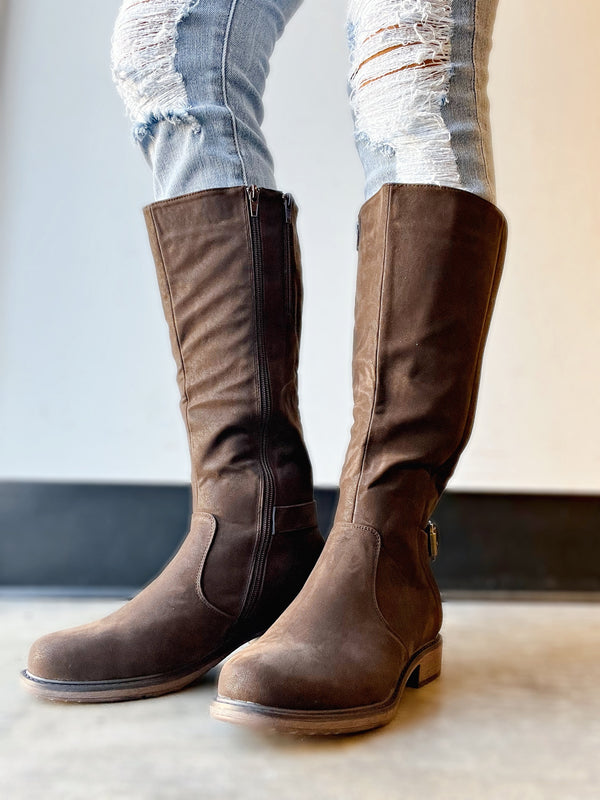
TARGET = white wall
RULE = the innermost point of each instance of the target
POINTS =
(87, 382)
(538, 424)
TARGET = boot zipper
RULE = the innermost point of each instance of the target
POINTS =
(287, 255)
(268, 480)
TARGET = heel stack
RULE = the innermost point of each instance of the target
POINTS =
(428, 668)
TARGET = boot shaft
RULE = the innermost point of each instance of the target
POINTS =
(430, 260)
(229, 273)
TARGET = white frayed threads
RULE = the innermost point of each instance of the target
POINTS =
(399, 78)
(144, 47)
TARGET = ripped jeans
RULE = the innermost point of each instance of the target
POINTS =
(192, 74)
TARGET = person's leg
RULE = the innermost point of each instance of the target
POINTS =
(431, 249)
(418, 92)
(228, 267)
(192, 75)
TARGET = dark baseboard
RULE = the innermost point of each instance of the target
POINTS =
(109, 539)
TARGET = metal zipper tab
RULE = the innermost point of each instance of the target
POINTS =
(253, 196)
(433, 539)
(287, 204)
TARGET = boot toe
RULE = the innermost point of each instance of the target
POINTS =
(88, 653)
(51, 658)
(253, 676)
(294, 676)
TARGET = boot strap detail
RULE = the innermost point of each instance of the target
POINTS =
(294, 518)
(433, 539)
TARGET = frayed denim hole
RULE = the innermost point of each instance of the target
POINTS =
(400, 71)
(144, 48)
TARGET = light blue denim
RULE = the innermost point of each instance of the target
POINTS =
(223, 49)
(464, 108)
(202, 129)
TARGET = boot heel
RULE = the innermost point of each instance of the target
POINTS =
(428, 669)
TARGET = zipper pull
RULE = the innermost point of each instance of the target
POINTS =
(287, 204)
(253, 195)
(357, 234)
(433, 539)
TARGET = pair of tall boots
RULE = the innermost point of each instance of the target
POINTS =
(337, 657)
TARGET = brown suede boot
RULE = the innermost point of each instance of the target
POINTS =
(229, 274)
(367, 621)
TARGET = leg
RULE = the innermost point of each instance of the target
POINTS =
(228, 267)
(430, 256)
(192, 75)
(418, 92)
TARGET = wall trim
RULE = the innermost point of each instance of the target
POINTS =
(110, 539)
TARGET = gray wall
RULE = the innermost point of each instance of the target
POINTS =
(87, 386)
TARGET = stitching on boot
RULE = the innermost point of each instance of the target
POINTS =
(199, 590)
(143, 53)
(375, 565)
(400, 70)
(165, 276)
(376, 354)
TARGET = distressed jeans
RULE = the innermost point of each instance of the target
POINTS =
(192, 74)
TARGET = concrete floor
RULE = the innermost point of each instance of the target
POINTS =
(515, 716)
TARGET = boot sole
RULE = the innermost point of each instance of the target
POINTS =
(424, 667)
(119, 690)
